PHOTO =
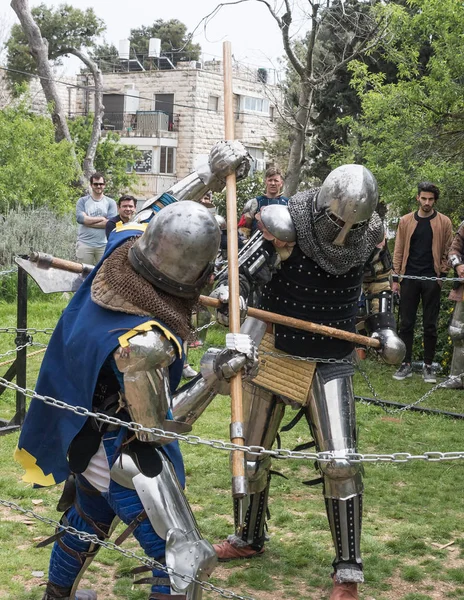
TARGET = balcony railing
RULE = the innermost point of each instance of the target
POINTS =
(150, 123)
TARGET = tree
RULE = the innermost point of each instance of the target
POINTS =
(35, 170)
(413, 129)
(175, 42)
(357, 30)
(62, 27)
(112, 158)
(68, 30)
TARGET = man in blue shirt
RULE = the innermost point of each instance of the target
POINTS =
(92, 214)
(274, 183)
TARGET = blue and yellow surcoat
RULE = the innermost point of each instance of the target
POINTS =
(84, 337)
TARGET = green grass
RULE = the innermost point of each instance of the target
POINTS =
(411, 509)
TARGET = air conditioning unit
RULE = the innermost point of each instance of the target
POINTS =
(260, 164)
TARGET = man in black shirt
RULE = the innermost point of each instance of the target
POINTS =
(126, 210)
(421, 246)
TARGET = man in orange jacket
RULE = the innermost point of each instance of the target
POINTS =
(421, 247)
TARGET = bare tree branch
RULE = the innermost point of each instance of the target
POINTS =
(99, 109)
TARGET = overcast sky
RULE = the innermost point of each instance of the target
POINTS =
(249, 27)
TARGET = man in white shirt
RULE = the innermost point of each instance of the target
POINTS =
(92, 214)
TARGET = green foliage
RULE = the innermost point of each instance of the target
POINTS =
(112, 158)
(175, 41)
(247, 188)
(34, 169)
(63, 27)
(411, 130)
(106, 56)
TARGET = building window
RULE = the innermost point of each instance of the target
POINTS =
(258, 162)
(165, 103)
(144, 164)
(213, 103)
(252, 104)
(167, 156)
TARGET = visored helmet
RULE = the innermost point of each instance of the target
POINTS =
(176, 252)
(348, 197)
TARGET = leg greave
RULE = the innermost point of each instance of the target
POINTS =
(253, 531)
(331, 415)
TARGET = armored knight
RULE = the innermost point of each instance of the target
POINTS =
(312, 258)
(117, 350)
(456, 328)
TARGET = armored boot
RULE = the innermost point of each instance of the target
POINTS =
(250, 541)
(455, 380)
(264, 412)
(56, 592)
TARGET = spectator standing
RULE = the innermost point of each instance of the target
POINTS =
(92, 214)
(421, 248)
(274, 184)
(126, 210)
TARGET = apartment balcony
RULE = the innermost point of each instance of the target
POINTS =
(146, 124)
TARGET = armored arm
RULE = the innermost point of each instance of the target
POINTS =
(261, 256)
(216, 368)
(381, 322)
(225, 158)
(144, 363)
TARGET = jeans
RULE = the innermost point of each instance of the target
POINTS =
(412, 292)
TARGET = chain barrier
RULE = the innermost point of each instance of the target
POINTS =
(30, 330)
(210, 324)
(18, 348)
(149, 562)
(7, 272)
(195, 440)
(393, 411)
(425, 278)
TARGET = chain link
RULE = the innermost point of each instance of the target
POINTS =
(425, 278)
(195, 440)
(393, 411)
(31, 330)
(7, 272)
(330, 361)
(18, 348)
(210, 324)
(149, 562)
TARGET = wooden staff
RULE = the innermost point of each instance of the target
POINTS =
(271, 317)
(239, 481)
(46, 261)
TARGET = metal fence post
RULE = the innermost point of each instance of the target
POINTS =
(21, 339)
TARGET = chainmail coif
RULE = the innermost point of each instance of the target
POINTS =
(118, 287)
(316, 232)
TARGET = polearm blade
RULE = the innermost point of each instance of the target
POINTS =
(239, 481)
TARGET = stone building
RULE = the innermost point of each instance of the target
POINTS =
(174, 116)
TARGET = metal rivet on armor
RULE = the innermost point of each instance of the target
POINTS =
(315, 291)
(304, 305)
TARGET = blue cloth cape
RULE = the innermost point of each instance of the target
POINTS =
(84, 337)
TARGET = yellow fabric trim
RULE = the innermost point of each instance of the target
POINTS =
(34, 473)
(148, 326)
(120, 226)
